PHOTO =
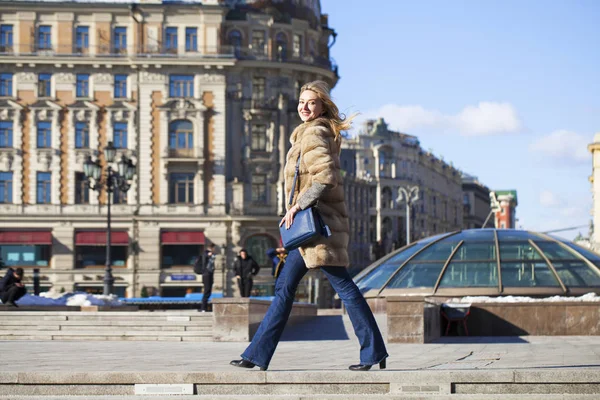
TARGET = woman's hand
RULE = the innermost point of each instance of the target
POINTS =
(289, 217)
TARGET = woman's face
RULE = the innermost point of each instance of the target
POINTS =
(309, 106)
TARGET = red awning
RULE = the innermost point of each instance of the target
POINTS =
(25, 237)
(182, 237)
(98, 238)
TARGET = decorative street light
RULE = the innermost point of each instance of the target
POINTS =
(112, 180)
(410, 195)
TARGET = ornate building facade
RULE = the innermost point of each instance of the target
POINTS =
(200, 95)
(476, 204)
(391, 160)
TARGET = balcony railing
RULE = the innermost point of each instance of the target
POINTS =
(162, 51)
(191, 152)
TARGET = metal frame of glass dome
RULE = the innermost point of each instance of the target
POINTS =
(552, 259)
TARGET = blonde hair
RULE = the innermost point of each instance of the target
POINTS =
(337, 122)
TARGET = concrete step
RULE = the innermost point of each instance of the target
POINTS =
(112, 332)
(103, 328)
(74, 337)
(411, 384)
(320, 397)
(16, 312)
(32, 322)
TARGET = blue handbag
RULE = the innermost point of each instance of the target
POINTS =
(307, 224)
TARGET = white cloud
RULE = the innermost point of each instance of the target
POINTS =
(549, 199)
(488, 119)
(483, 119)
(563, 145)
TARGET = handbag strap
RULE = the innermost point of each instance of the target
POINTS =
(295, 179)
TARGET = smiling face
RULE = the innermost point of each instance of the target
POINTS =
(309, 106)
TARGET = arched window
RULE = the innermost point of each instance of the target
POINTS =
(181, 138)
(282, 46)
(235, 41)
(257, 246)
(386, 198)
(386, 159)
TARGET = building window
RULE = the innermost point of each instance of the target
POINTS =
(181, 138)
(44, 135)
(19, 255)
(44, 37)
(445, 210)
(282, 46)
(44, 85)
(257, 245)
(82, 189)
(6, 81)
(82, 135)
(95, 256)
(6, 180)
(191, 39)
(258, 89)
(6, 133)
(120, 39)
(83, 85)
(171, 40)
(259, 189)
(43, 187)
(119, 196)
(434, 206)
(181, 188)
(6, 38)
(235, 41)
(181, 86)
(259, 42)
(120, 135)
(259, 137)
(297, 45)
(82, 41)
(120, 86)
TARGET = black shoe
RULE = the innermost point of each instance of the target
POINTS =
(245, 364)
(363, 367)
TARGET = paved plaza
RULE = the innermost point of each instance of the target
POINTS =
(324, 343)
(310, 363)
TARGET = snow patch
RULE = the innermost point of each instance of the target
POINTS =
(69, 299)
(523, 299)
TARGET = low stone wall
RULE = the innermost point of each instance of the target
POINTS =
(543, 318)
(412, 319)
(236, 319)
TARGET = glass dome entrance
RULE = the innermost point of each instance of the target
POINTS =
(484, 262)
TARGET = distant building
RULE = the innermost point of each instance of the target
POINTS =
(506, 217)
(391, 160)
(476, 203)
(594, 148)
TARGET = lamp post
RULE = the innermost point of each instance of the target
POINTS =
(111, 180)
(410, 195)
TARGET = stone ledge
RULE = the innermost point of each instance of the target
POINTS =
(416, 377)
(236, 319)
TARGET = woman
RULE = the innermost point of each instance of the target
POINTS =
(318, 142)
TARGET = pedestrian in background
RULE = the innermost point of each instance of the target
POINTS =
(11, 288)
(278, 257)
(245, 270)
(208, 274)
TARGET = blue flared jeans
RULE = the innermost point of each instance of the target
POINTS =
(261, 349)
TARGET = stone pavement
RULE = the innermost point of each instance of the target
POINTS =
(326, 343)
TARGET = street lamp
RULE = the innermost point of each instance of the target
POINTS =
(112, 180)
(410, 195)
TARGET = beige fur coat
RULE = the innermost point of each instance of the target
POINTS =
(320, 163)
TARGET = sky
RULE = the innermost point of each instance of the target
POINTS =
(506, 90)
